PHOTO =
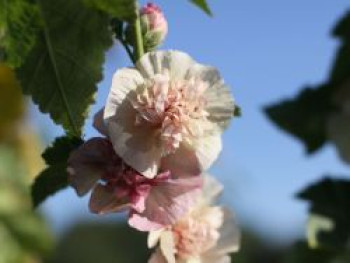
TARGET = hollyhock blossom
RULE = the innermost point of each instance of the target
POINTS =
(206, 235)
(152, 203)
(338, 124)
(154, 25)
(167, 105)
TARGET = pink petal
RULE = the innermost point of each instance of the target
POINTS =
(88, 163)
(138, 199)
(103, 200)
(166, 203)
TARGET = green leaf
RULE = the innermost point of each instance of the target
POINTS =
(19, 24)
(304, 116)
(122, 9)
(331, 198)
(62, 70)
(60, 150)
(301, 253)
(342, 29)
(202, 4)
(54, 178)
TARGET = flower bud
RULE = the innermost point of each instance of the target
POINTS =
(154, 26)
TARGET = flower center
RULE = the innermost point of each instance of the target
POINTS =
(176, 108)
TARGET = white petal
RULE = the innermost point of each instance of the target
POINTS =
(230, 235)
(176, 63)
(212, 188)
(183, 163)
(204, 73)
(167, 246)
(137, 146)
(220, 105)
(207, 150)
(124, 81)
(338, 128)
(153, 238)
(99, 124)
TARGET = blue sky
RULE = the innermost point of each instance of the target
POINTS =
(266, 51)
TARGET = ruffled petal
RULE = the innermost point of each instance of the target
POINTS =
(181, 164)
(176, 63)
(230, 235)
(207, 150)
(103, 200)
(124, 81)
(88, 163)
(166, 203)
(220, 103)
(212, 188)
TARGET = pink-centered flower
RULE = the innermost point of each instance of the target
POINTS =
(152, 203)
(167, 105)
(206, 235)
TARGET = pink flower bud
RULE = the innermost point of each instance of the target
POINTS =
(154, 25)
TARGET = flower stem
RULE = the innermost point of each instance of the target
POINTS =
(138, 45)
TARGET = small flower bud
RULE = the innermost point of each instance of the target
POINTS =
(154, 26)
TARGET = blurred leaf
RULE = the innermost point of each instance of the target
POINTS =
(19, 24)
(11, 102)
(122, 9)
(304, 116)
(65, 65)
(54, 178)
(202, 4)
(331, 198)
(107, 243)
(342, 29)
(301, 253)
(30, 232)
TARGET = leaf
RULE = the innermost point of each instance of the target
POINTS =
(62, 70)
(331, 198)
(54, 178)
(11, 102)
(19, 24)
(60, 150)
(342, 29)
(304, 116)
(122, 9)
(301, 253)
(202, 4)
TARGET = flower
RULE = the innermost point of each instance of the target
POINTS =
(152, 203)
(167, 105)
(205, 235)
(154, 26)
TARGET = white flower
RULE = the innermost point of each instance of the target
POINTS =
(206, 235)
(167, 106)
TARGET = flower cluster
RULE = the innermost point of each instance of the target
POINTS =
(161, 130)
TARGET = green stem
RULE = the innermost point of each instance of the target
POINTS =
(138, 45)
